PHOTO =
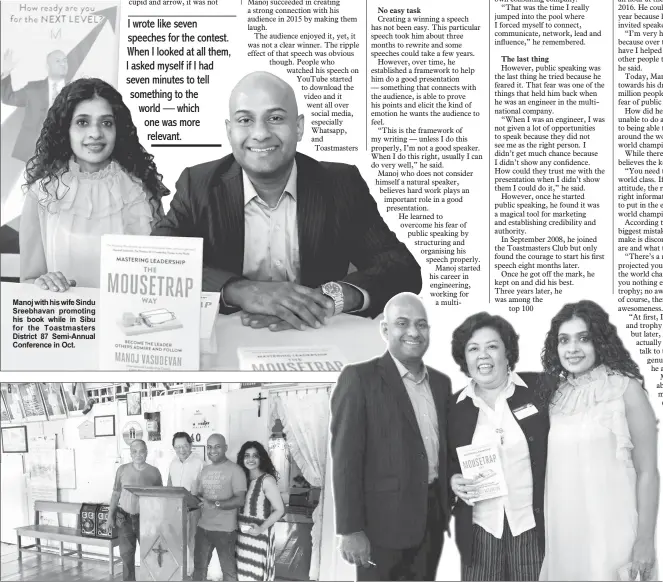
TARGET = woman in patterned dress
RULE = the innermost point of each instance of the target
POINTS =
(262, 509)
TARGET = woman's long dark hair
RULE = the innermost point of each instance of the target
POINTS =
(265, 465)
(53, 149)
(608, 348)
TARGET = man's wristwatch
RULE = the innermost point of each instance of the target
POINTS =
(217, 504)
(334, 291)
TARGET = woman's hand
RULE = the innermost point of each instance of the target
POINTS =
(54, 281)
(255, 530)
(465, 489)
(644, 557)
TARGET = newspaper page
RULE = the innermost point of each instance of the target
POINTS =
(484, 149)
(500, 156)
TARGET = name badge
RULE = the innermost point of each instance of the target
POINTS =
(525, 411)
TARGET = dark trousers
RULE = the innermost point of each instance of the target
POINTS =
(128, 533)
(417, 563)
(205, 543)
(509, 558)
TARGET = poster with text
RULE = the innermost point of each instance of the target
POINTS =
(45, 46)
(200, 423)
(41, 470)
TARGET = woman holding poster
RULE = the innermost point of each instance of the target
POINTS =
(602, 481)
(89, 176)
(498, 421)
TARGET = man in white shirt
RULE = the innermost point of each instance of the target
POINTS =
(282, 229)
(185, 472)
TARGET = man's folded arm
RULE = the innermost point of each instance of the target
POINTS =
(348, 441)
(385, 267)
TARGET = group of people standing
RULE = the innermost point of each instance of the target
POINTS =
(239, 505)
(577, 445)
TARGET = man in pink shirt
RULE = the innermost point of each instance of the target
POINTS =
(124, 506)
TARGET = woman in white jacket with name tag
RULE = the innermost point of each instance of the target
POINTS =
(499, 538)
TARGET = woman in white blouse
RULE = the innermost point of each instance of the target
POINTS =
(500, 538)
(89, 176)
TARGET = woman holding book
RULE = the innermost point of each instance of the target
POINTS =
(602, 483)
(499, 538)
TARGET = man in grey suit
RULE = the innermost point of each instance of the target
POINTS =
(389, 453)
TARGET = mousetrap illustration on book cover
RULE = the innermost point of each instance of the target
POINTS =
(148, 322)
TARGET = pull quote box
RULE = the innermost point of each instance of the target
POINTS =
(150, 302)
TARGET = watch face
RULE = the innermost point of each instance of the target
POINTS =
(332, 288)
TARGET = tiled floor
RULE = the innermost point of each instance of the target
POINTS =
(50, 568)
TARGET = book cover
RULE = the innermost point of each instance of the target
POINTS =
(209, 309)
(150, 303)
(482, 463)
(292, 359)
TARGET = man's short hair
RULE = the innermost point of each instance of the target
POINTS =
(182, 435)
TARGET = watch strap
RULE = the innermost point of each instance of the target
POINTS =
(336, 295)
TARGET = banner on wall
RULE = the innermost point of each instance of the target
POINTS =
(200, 423)
(45, 46)
(42, 475)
